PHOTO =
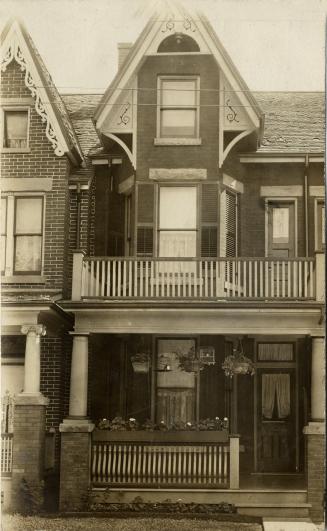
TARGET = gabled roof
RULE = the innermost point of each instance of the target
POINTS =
(145, 42)
(17, 44)
(294, 121)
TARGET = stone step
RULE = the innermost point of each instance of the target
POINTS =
(287, 511)
(237, 497)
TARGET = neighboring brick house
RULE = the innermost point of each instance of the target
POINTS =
(157, 240)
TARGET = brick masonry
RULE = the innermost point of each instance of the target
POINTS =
(28, 456)
(315, 474)
(40, 161)
(74, 471)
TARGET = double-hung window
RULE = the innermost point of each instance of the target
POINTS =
(22, 234)
(178, 107)
(15, 129)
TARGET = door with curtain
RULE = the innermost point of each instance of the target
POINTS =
(276, 426)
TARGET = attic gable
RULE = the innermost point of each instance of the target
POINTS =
(17, 45)
(116, 113)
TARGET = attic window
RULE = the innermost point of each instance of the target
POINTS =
(15, 129)
(178, 43)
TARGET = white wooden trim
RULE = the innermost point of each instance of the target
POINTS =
(26, 184)
(269, 158)
(233, 183)
(222, 224)
(317, 191)
(281, 200)
(123, 145)
(316, 201)
(281, 191)
(239, 137)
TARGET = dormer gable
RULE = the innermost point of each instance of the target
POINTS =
(178, 32)
(17, 45)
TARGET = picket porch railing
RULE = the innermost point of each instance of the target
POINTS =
(164, 463)
(190, 278)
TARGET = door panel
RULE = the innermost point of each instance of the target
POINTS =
(276, 433)
(281, 229)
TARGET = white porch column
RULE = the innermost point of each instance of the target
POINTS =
(318, 379)
(79, 377)
(32, 358)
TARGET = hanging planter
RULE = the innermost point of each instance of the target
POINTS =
(238, 363)
(141, 362)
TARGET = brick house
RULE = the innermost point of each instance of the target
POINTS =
(163, 273)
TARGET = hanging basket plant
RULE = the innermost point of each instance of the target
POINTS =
(141, 362)
(238, 363)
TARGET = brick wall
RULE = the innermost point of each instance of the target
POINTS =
(316, 467)
(74, 471)
(40, 161)
(204, 156)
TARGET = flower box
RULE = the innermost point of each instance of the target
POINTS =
(175, 437)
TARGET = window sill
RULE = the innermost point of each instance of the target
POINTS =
(177, 141)
(23, 279)
(15, 150)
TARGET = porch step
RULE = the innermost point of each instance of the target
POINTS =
(267, 503)
(277, 524)
(280, 510)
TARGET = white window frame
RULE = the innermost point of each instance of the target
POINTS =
(9, 108)
(319, 246)
(179, 140)
(8, 274)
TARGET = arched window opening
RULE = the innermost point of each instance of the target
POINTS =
(178, 43)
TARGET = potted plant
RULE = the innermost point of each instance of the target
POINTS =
(141, 362)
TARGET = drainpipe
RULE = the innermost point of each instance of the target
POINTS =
(306, 205)
(78, 228)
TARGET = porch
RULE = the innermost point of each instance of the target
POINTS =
(240, 278)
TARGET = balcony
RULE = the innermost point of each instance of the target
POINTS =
(128, 278)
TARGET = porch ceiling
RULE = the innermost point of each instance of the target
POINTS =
(164, 319)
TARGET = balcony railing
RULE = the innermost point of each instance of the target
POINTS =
(193, 278)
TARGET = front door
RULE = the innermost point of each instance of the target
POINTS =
(276, 426)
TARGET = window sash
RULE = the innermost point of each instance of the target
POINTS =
(15, 128)
(178, 111)
(23, 249)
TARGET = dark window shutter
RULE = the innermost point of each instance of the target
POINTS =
(145, 241)
(231, 224)
(145, 219)
(145, 203)
(209, 220)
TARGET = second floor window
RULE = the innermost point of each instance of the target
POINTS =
(22, 234)
(15, 129)
(177, 221)
(178, 107)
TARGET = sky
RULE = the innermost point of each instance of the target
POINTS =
(275, 44)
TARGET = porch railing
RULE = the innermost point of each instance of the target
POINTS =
(165, 464)
(6, 453)
(219, 278)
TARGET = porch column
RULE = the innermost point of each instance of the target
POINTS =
(29, 429)
(76, 432)
(318, 379)
(315, 432)
(32, 358)
(79, 377)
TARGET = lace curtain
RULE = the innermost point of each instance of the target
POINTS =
(276, 389)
